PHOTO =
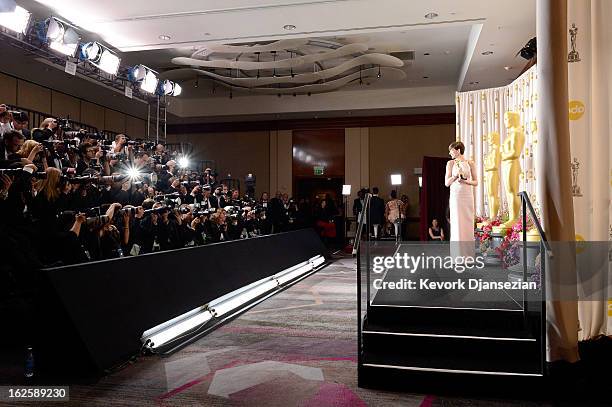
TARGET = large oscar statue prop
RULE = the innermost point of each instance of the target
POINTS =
(511, 151)
(491, 166)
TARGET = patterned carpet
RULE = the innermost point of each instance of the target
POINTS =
(295, 349)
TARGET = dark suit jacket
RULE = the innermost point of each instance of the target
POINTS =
(10, 162)
(377, 210)
(357, 207)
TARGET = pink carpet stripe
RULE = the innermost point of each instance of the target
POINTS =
(427, 401)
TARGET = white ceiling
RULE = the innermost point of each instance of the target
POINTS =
(455, 39)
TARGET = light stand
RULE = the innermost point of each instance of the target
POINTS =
(396, 180)
(346, 192)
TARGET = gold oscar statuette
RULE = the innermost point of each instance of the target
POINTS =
(511, 168)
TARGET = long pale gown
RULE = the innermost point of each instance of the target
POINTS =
(461, 208)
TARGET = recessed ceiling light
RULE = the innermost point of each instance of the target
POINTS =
(487, 53)
(474, 83)
(207, 34)
(426, 53)
(425, 77)
(164, 37)
(431, 15)
(447, 52)
(507, 68)
(289, 27)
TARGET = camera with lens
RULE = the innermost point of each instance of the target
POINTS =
(170, 200)
(157, 211)
(94, 219)
(128, 209)
(64, 124)
(203, 212)
(18, 172)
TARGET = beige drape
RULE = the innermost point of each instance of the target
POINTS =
(554, 184)
(481, 112)
(589, 97)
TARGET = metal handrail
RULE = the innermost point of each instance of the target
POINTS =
(364, 212)
(527, 205)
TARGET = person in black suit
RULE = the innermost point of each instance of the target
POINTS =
(9, 145)
(377, 212)
(208, 201)
(358, 204)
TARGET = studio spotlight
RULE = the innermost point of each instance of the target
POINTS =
(14, 17)
(396, 179)
(100, 56)
(183, 162)
(60, 35)
(145, 76)
(169, 88)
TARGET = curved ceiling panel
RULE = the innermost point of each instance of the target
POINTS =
(368, 59)
(280, 64)
(370, 74)
(277, 46)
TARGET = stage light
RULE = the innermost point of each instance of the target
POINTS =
(183, 325)
(15, 18)
(100, 56)
(232, 302)
(183, 162)
(61, 36)
(145, 76)
(169, 88)
(396, 179)
(420, 182)
(224, 306)
(346, 190)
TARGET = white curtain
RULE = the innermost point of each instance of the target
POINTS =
(481, 112)
(590, 130)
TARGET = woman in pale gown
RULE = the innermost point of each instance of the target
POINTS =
(461, 178)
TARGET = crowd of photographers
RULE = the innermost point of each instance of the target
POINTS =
(70, 196)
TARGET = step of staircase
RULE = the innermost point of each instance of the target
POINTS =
(420, 344)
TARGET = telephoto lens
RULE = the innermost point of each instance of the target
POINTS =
(128, 209)
(96, 221)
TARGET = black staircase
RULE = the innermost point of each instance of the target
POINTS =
(443, 344)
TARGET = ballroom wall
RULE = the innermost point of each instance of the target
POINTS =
(238, 153)
(371, 155)
(32, 96)
(400, 149)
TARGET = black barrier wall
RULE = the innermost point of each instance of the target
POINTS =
(110, 303)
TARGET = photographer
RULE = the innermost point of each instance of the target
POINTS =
(166, 175)
(9, 146)
(59, 240)
(46, 131)
(90, 160)
(19, 123)
(32, 151)
(208, 178)
(218, 200)
(218, 227)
